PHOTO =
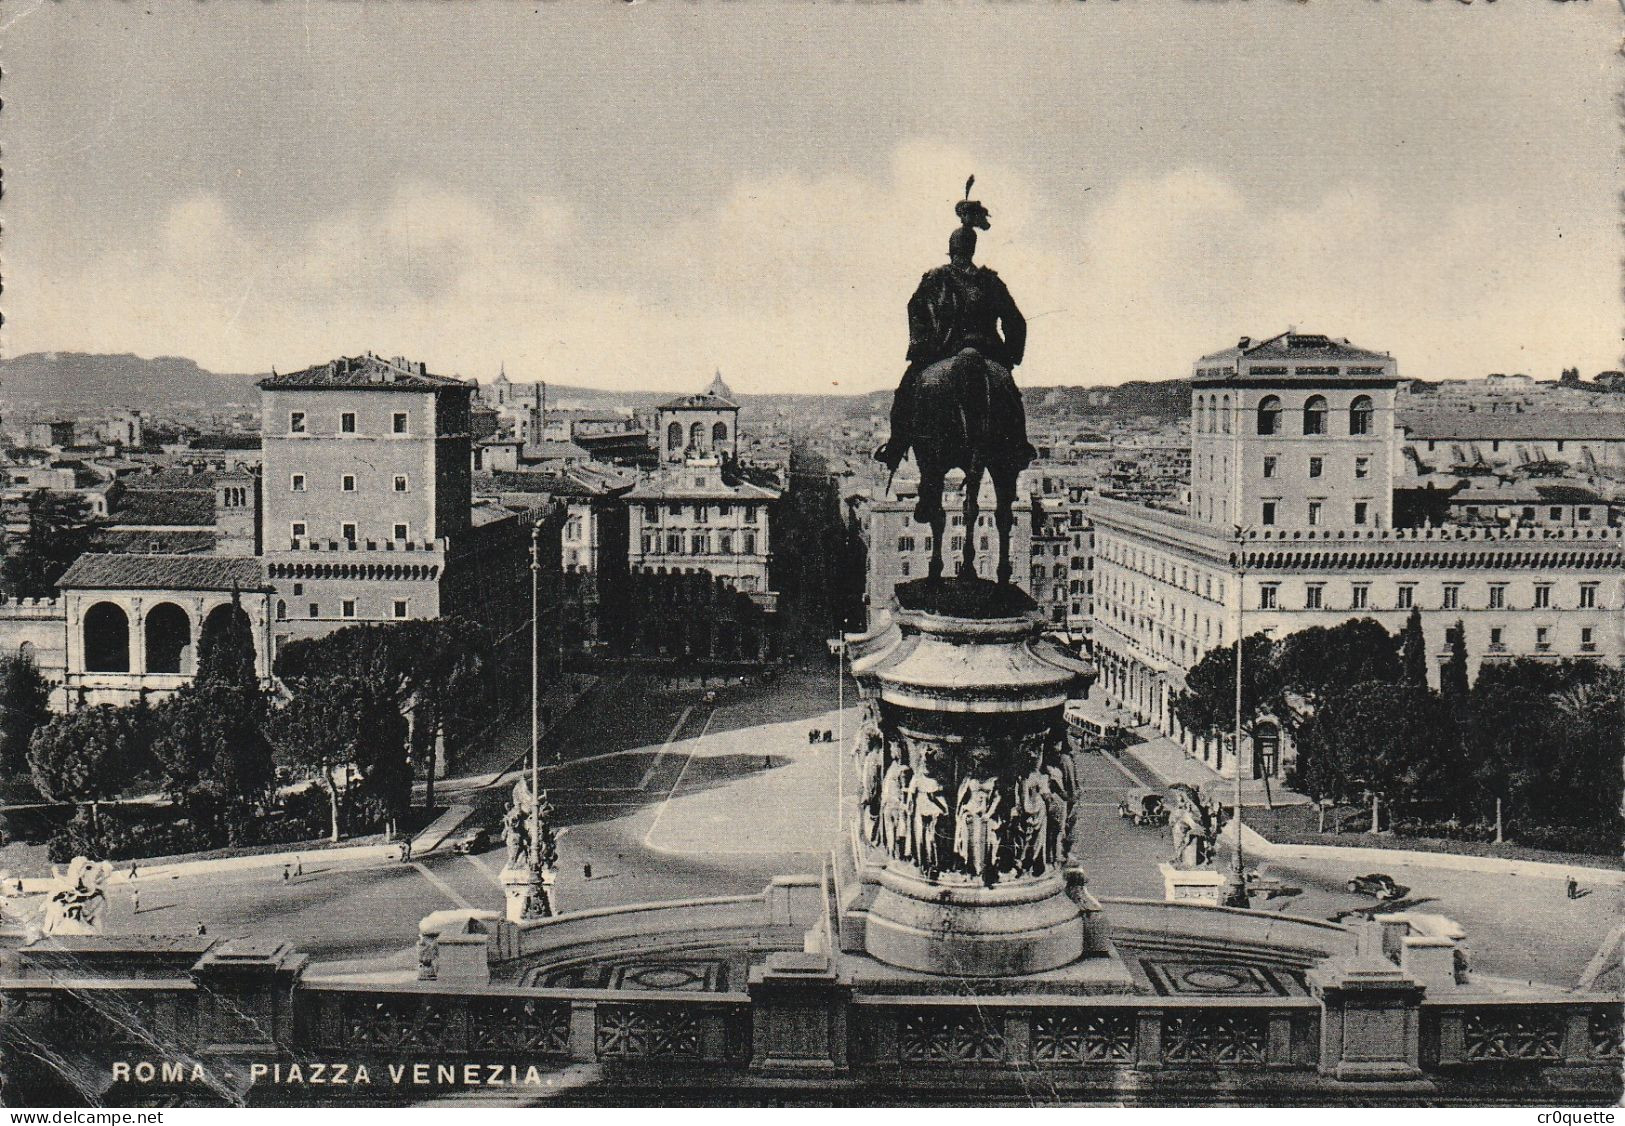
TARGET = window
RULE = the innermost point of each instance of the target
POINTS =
(296, 422)
(1269, 465)
(1588, 596)
(297, 483)
(315, 611)
(1361, 510)
(1315, 507)
(674, 510)
(1212, 415)
(347, 531)
(726, 546)
(750, 514)
(402, 532)
(347, 422)
(905, 543)
(1267, 596)
(298, 588)
(1582, 514)
(281, 610)
(1267, 513)
(400, 607)
(1407, 597)
(1495, 638)
(297, 529)
(1317, 466)
(1361, 598)
(1314, 415)
(1452, 596)
(1543, 596)
(400, 482)
(398, 422)
(1529, 513)
(1269, 415)
(349, 483)
(1360, 415)
(750, 543)
(1498, 596)
(700, 543)
(719, 433)
(674, 436)
(702, 513)
(903, 569)
(1362, 467)
(347, 608)
(674, 543)
(1588, 642)
(1312, 596)
(1557, 513)
(651, 513)
(1543, 638)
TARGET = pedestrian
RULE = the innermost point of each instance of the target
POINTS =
(132, 871)
(406, 851)
(767, 762)
(135, 902)
(586, 871)
(201, 928)
(298, 866)
(287, 872)
(1572, 887)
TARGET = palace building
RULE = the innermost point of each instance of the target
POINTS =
(1294, 446)
(703, 425)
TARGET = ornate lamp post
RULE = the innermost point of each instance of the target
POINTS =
(1236, 893)
(536, 903)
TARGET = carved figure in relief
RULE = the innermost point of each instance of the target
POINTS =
(977, 825)
(929, 802)
(871, 775)
(1058, 845)
(1033, 795)
(896, 830)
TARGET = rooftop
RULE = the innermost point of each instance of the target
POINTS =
(1455, 426)
(1315, 350)
(364, 373)
(164, 572)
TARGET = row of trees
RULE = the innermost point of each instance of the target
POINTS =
(1531, 749)
(359, 712)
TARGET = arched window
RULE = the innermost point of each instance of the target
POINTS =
(1314, 415)
(1269, 415)
(674, 436)
(169, 636)
(107, 639)
(719, 434)
(1360, 415)
(696, 435)
(1224, 414)
(1212, 408)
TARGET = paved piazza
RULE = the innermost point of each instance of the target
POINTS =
(669, 797)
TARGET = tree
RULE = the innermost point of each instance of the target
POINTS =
(24, 706)
(1319, 660)
(1379, 740)
(315, 732)
(89, 755)
(225, 650)
(59, 531)
(1208, 704)
(1413, 651)
(444, 661)
(1453, 675)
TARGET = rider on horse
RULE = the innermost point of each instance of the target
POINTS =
(959, 306)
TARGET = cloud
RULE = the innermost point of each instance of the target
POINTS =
(798, 282)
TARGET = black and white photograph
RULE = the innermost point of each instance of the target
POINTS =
(830, 555)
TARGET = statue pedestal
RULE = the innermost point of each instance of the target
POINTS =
(964, 766)
(1017, 928)
(1192, 885)
(516, 892)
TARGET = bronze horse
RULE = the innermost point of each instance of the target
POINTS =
(961, 409)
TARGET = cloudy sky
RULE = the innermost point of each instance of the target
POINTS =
(632, 195)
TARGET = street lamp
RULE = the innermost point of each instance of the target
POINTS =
(536, 906)
(1236, 893)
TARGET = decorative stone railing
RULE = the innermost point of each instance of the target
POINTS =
(1558, 1029)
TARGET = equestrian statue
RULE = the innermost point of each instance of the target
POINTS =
(958, 405)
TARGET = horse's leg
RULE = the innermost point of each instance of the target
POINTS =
(1004, 487)
(929, 510)
(973, 486)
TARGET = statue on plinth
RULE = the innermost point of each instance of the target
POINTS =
(77, 903)
(532, 861)
(958, 405)
(1190, 825)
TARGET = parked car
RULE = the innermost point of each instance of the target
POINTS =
(1376, 885)
(1144, 808)
(472, 840)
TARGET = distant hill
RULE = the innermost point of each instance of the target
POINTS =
(77, 380)
(80, 380)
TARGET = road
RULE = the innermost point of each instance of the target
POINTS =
(667, 796)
